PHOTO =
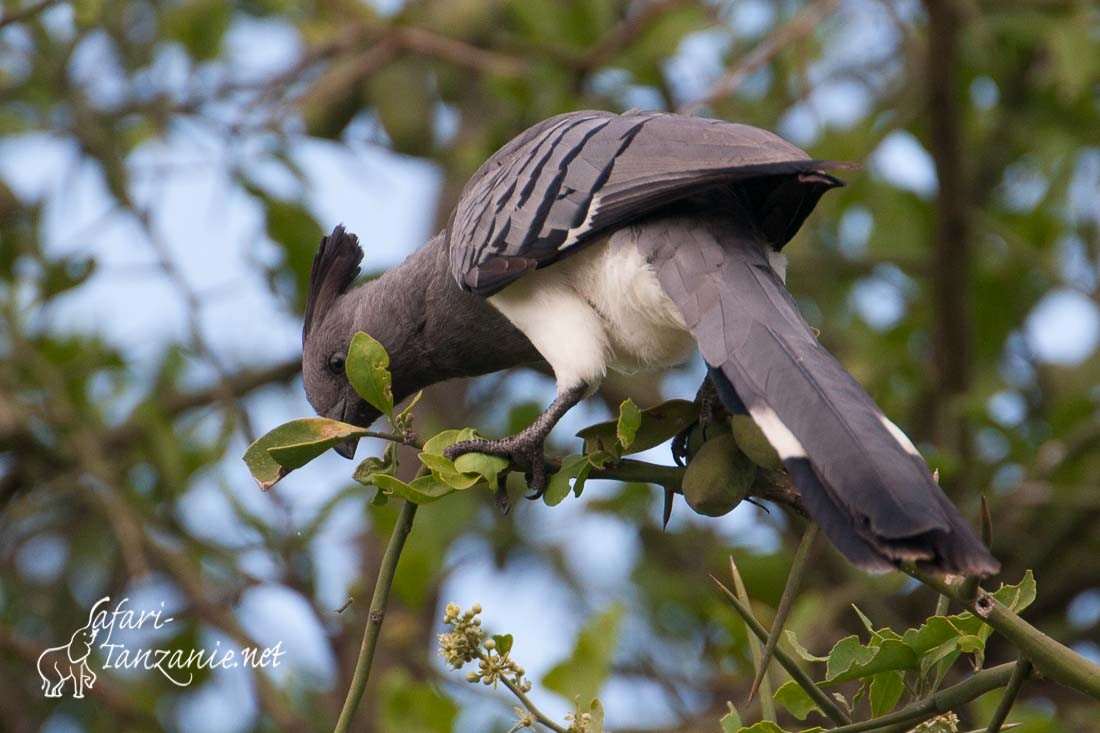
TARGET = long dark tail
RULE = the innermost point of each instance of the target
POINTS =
(859, 475)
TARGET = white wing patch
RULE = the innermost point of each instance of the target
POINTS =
(778, 261)
(777, 433)
(574, 233)
(899, 436)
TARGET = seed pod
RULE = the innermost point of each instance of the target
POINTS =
(750, 439)
(718, 477)
(696, 439)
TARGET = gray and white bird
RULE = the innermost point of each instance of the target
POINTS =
(597, 241)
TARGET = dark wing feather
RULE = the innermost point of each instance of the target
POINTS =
(574, 176)
(874, 499)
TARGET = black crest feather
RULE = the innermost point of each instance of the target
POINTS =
(335, 267)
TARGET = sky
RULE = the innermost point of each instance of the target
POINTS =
(215, 234)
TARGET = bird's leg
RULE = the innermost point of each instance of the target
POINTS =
(527, 447)
(711, 412)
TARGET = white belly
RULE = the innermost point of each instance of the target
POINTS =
(598, 309)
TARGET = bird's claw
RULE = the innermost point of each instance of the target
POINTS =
(520, 450)
(711, 412)
(680, 445)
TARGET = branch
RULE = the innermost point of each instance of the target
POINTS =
(539, 715)
(762, 54)
(823, 701)
(1019, 674)
(377, 614)
(951, 246)
(770, 485)
(458, 52)
(1052, 659)
(940, 702)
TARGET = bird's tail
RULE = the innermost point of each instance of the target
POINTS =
(860, 477)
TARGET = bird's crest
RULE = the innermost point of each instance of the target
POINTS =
(335, 267)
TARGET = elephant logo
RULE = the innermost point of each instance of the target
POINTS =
(59, 664)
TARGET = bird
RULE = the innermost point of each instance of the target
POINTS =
(597, 241)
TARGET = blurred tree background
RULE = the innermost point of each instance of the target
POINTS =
(167, 170)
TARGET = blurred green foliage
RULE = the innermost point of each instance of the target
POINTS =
(98, 457)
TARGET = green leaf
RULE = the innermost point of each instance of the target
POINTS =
(440, 441)
(423, 490)
(863, 618)
(630, 419)
(583, 674)
(731, 721)
(466, 470)
(886, 690)
(764, 726)
(481, 464)
(367, 367)
(1020, 596)
(932, 633)
(365, 471)
(851, 660)
(557, 486)
(444, 470)
(971, 644)
(293, 445)
(504, 643)
(657, 424)
(797, 702)
(404, 419)
(947, 651)
(845, 654)
(801, 650)
(199, 25)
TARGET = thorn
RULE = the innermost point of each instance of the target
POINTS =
(666, 513)
(783, 610)
(758, 504)
(346, 605)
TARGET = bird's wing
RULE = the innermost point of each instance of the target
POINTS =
(860, 477)
(576, 175)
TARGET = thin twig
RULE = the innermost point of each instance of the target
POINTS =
(827, 704)
(1012, 689)
(796, 28)
(531, 708)
(376, 615)
(459, 53)
(794, 580)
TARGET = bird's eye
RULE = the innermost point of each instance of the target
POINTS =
(336, 364)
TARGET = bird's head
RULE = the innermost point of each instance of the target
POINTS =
(332, 317)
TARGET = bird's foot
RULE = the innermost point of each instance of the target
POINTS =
(711, 412)
(525, 450)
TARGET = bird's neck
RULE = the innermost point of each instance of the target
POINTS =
(450, 333)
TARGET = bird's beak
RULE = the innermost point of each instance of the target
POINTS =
(340, 411)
